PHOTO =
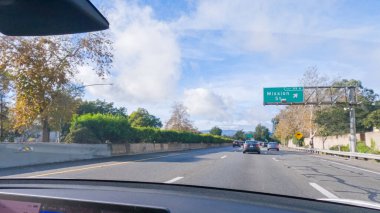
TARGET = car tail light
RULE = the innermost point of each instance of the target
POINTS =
(257, 145)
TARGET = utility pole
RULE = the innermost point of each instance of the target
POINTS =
(352, 101)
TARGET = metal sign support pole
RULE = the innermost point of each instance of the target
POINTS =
(351, 101)
(352, 130)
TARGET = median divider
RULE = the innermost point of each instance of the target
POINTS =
(27, 154)
(356, 155)
(142, 148)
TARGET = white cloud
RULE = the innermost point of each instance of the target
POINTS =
(206, 104)
(208, 109)
(146, 56)
(147, 64)
(260, 26)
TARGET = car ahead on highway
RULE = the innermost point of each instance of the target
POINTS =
(237, 143)
(273, 146)
(251, 146)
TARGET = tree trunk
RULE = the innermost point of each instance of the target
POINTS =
(323, 142)
(45, 130)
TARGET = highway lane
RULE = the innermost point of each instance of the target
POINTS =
(284, 172)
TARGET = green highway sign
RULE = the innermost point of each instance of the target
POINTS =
(283, 95)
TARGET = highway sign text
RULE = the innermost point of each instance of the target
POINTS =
(283, 95)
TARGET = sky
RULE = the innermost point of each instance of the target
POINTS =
(216, 57)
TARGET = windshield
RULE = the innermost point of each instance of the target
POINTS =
(173, 89)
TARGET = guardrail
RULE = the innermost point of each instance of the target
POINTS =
(355, 155)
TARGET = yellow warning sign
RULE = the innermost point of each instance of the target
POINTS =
(298, 135)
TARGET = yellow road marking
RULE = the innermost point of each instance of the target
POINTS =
(100, 166)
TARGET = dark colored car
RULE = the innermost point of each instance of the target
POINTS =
(251, 146)
(273, 146)
(237, 143)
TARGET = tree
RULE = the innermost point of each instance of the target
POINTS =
(179, 119)
(367, 99)
(101, 107)
(332, 121)
(61, 110)
(261, 133)
(239, 135)
(292, 119)
(373, 119)
(41, 66)
(312, 77)
(5, 123)
(300, 118)
(216, 131)
(142, 118)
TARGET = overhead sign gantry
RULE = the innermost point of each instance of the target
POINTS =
(317, 96)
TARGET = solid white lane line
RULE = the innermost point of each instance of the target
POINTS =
(224, 156)
(275, 159)
(174, 180)
(323, 191)
(353, 167)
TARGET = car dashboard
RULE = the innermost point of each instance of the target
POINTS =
(66, 196)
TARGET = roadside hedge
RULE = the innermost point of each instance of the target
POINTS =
(82, 134)
(361, 147)
(162, 136)
(105, 127)
(100, 128)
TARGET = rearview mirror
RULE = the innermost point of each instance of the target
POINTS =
(49, 17)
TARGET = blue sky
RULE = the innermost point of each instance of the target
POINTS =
(216, 56)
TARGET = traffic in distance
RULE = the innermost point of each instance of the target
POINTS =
(253, 146)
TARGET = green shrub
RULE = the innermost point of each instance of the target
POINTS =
(81, 135)
(163, 136)
(297, 142)
(362, 147)
(114, 128)
(343, 148)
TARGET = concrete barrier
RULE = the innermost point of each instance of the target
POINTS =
(25, 154)
(141, 148)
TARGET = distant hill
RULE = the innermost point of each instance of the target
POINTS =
(224, 132)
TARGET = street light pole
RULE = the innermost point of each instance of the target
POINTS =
(90, 85)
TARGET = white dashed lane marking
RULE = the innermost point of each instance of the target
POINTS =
(174, 180)
(323, 191)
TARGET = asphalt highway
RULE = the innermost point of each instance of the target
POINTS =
(284, 172)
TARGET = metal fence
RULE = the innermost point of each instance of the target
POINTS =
(355, 155)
